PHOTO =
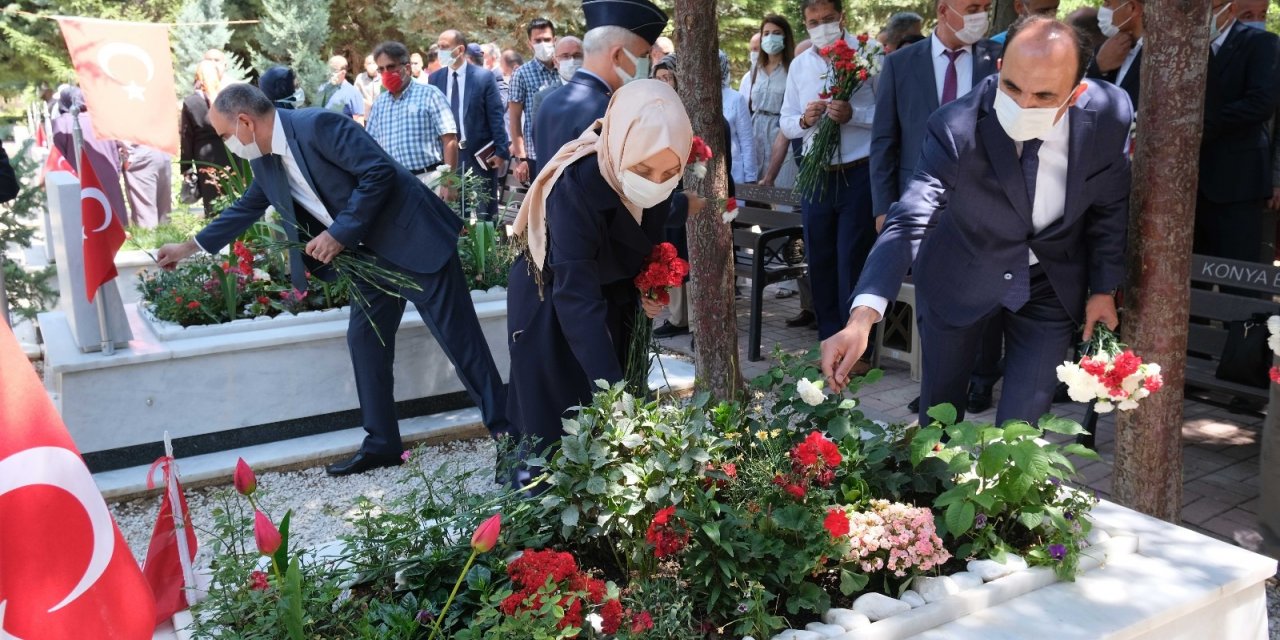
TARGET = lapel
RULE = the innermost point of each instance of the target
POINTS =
(985, 54)
(1221, 60)
(276, 180)
(1080, 141)
(439, 79)
(922, 67)
(1003, 156)
(1132, 78)
(286, 121)
(473, 86)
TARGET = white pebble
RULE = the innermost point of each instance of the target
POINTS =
(798, 634)
(877, 606)
(966, 580)
(847, 618)
(935, 589)
(825, 630)
(912, 598)
(1097, 536)
(990, 570)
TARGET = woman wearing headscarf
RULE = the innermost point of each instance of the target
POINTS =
(744, 167)
(589, 222)
(764, 86)
(103, 155)
(202, 149)
(280, 85)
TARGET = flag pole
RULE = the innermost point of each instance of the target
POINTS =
(179, 523)
(107, 344)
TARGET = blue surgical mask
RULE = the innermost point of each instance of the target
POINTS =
(772, 44)
(1214, 29)
(1260, 25)
(642, 68)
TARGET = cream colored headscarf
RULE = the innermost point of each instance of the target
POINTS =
(644, 118)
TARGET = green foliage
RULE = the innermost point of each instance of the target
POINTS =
(190, 41)
(486, 261)
(28, 291)
(180, 228)
(294, 33)
(501, 21)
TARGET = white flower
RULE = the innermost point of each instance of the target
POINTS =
(1127, 405)
(1103, 406)
(699, 170)
(809, 392)
(259, 274)
(729, 216)
(1273, 325)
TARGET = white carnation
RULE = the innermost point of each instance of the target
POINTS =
(263, 276)
(1127, 405)
(1103, 406)
(729, 216)
(1273, 325)
(809, 392)
(699, 170)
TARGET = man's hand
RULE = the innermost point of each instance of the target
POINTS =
(522, 171)
(766, 181)
(651, 307)
(812, 112)
(445, 194)
(840, 111)
(880, 222)
(841, 351)
(696, 203)
(1100, 308)
(496, 163)
(324, 248)
(1275, 199)
(1112, 53)
(171, 254)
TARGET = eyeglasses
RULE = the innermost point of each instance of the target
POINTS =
(391, 67)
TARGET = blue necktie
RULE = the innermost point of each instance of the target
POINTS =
(453, 103)
(1019, 291)
(297, 269)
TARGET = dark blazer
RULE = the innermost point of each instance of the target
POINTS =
(8, 179)
(1240, 100)
(483, 111)
(964, 223)
(906, 95)
(1132, 83)
(373, 200)
(200, 142)
(567, 112)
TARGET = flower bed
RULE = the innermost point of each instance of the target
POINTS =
(714, 520)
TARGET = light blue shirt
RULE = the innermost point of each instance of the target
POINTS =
(409, 128)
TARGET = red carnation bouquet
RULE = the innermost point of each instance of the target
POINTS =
(664, 269)
(699, 155)
(1111, 376)
(850, 68)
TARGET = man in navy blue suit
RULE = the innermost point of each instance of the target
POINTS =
(620, 34)
(476, 104)
(328, 178)
(1018, 209)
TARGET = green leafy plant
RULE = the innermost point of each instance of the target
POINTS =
(486, 259)
(28, 290)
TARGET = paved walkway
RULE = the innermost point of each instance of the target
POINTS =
(1220, 448)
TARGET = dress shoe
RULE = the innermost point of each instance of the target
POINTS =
(668, 330)
(914, 405)
(363, 461)
(979, 400)
(802, 319)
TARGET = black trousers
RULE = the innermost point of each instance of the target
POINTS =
(1231, 230)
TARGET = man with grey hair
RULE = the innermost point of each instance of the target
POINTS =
(337, 94)
(620, 34)
(337, 190)
(412, 121)
(901, 25)
(568, 61)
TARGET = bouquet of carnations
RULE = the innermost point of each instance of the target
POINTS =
(663, 270)
(699, 155)
(1111, 376)
(850, 68)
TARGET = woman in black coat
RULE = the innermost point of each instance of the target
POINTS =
(202, 148)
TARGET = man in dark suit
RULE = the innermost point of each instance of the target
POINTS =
(476, 104)
(1018, 209)
(330, 179)
(620, 34)
(1235, 160)
(1119, 59)
(8, 179)
(914, 82)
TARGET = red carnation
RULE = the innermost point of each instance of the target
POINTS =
(836, 523)
(611, 612)
(641, 622)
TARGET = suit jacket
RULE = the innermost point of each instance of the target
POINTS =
(1132, 83)
(905, 97)
(567, 112)
(200, 142)
(483, 112)
(8, 179)
(964, 223)
(1240, 99)
(373, 200)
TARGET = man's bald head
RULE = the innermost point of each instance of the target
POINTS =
(1050, 41)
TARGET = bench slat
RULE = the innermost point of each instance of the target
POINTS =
(1253, 276)
(1225, 306)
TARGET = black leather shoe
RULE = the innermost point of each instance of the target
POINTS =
(914, 405)
(668, 330)
(361, 462)
(979, 400)
(802, 319)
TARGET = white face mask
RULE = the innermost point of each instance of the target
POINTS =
(544, 51)
(825, 34)
(445, 58)
(1214, 29)
(772, 44)
(642, 68)
(1105, 17)
(975, 27)
(247, 151)
(568, 67)
(645, 193)
(754, 57)
(1024, 124)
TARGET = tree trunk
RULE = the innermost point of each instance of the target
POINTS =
(714, 319)
(1002, 15)
(1148, 456)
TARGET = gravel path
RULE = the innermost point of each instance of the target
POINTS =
(322, 506)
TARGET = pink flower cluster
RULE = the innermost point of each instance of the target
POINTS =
(895, 537)
(1111, 382)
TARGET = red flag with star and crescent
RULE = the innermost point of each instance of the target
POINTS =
(103, 234)
(126, 73)
(65, 570)
(55, 161)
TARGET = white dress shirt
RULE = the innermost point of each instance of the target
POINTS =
(964, 67)
(1128, 61)
(805, 80)
(298, 186)
(461, 72)
(1051, 195)
(1222, 37)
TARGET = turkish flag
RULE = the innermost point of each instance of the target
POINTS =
(164, 566)
(41, 140)
(103, 234)
(126, 72)
(65, 570)
(57, 162)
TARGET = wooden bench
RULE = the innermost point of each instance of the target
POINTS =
(1211, 309)
(760, 240)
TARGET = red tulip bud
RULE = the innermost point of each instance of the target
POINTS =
(246, 483)
(486, 534)
(265, 534)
